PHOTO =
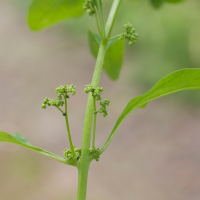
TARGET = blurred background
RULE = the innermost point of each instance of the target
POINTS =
(156, 152)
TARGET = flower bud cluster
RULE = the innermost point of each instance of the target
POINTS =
(95, 153)
(96, 92)
(51, 102)
(89, 7)
(103, 104)
(69, 155)
(130, 34)
(64, 89)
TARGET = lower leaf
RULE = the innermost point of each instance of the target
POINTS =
(20, 140)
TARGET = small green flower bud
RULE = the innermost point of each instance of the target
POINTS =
(129, 35)
(59, 97)
(89, 7)
(43, 106)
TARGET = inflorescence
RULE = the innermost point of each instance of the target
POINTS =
(130, 34)
(89, 7)
(95, 153)
(62, 91)
(96, 93)
(103, 104)
(69, 155)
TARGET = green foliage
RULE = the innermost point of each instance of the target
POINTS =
(157, 3)
(20, 140)
(114, 54)
(174, 1)
(44, 13)
(185, 79)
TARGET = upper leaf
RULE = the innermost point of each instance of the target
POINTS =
(185, 79)
(114, 54)
(174, 1)
(44, 13)
(157, 3)
(20, 140)
(94, 42)
(113, 60)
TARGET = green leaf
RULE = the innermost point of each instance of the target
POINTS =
(94, 42)
(114, 54)
(20, 140)
(44, 13)
(185, 79)
(114, 59)
(157, 3)
(174, 1)
(95, 2)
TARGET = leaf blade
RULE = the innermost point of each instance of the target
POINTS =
(114, 59)
(20, 140)
(43, 13)
(157, 3)
(114, 54)
(185, 79)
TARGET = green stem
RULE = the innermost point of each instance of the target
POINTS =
(83, 165)
(99, 7)
(97, 24)
(112, 16)
(94, 124)
(68, 130)
(117, 36)
(59, 109)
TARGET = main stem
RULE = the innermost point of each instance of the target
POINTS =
(83, 165)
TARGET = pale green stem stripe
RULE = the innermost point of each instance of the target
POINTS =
(97, 22)
(94, 124)
(112, 38)
(112, 16)
(103, 33)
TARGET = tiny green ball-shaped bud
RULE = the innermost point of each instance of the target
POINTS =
(95, 112)
(46, 100)
(105, 114)
(59, 97)
(98, 98)
(100, 89)
(43, 106)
